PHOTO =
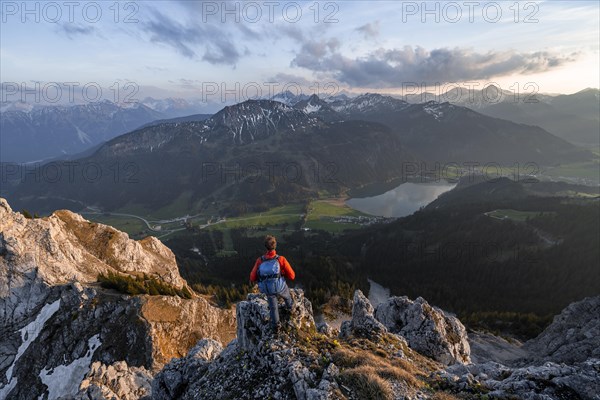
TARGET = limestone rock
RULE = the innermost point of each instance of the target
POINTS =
(64, 247)
(179, 374)
(427, 329)
(55, 322)
(258, 364)
(253, 320)
(573, 336)
(363, 322)
(116, 381)
(549, 381)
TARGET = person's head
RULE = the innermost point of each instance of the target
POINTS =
(270, 242)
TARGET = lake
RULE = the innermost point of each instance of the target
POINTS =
(402, 200)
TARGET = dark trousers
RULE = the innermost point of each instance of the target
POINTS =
(274, 306)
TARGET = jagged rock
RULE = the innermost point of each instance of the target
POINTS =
(258, 364)
(363, 323)
(549, 381)
(253, 320)
(327, 329)
(64, 248)
(573, 336)
(117, 381)
(176, 325)
(55, 321)
(427, 329)
(176, 376)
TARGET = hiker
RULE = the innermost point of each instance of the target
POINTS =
(270, 271)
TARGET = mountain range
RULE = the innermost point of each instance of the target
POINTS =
(41, 133)
(574, 117)
(262, 153)
(257, 152)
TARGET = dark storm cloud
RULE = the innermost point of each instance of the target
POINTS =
(386, 68)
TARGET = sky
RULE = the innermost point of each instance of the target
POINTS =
(236, 50)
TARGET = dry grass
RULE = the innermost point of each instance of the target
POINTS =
(357, 361)
(367, 383)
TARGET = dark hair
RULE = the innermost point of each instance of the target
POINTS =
(270, 242)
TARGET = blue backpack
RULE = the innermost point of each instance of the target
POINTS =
(270, 281)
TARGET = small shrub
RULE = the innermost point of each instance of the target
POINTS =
(140, 285)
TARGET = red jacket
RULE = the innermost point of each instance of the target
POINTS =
(286, 268)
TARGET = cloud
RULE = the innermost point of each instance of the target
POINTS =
(370, 30)
(388, 68)
(71, 29)
(187, 40)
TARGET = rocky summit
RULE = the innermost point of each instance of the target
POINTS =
(65, 336)
(369, 359)
(61, 333)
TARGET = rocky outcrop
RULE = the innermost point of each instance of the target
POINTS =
(176, 325)
(550, 380)
(253, 319)
(563, 362)
(116, 381)
(177, 376)
(64, 248)
(258, 364)
(363, 323)
(56, 322)
(573, 336)
(427, 329)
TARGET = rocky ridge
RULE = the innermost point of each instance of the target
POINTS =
(63, 336)
(57, 322)
(367, 360)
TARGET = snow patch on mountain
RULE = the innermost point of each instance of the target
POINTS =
(65, 379)
(31, 332)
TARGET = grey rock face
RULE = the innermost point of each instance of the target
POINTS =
(175, 378)
(427, 329)
(257, 365)
(561, 363)
(253, 318)
(573, 336)
(116, 381)
(549, 381)
(55, 322)
(363, 322)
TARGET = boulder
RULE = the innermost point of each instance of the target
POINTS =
(363, 323)
(427, 329)
(253, 319)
